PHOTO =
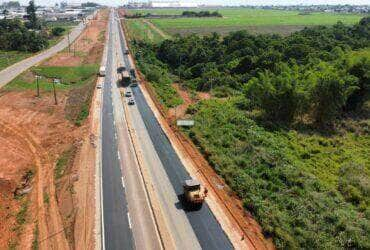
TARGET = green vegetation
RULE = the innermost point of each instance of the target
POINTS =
(203, 13)
(46, 198)
(158, 76)
(22, 213)
(244, 18)
(141, 30)
(63, 161)
(35, 242)
(71, 77)
(8, 58)
(288, 126)
(14, 35)
(57, 31)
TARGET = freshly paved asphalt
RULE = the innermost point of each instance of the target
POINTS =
(208, 231)
(117, 228)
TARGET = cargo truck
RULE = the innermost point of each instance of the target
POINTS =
(194, 193)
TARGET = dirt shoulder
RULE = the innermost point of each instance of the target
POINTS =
(46, 172)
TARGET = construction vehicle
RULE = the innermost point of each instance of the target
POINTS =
(194, 192)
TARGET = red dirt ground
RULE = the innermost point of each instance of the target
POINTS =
(36, 132)
(88, 45)
(33, 134)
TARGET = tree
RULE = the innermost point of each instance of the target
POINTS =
(57, 31)
(330, 92)
(31, 12)
(361, 70)
(5, 13)
(282, 97)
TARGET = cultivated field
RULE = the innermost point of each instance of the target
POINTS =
(256, 21)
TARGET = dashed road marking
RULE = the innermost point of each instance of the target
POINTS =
(123, 182)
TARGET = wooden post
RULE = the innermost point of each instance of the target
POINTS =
(55, 93)
(69, 44)
(37, 86)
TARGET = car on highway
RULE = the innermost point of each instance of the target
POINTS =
(131, 101)
(98, 86)
(128, 94)
(102, 71)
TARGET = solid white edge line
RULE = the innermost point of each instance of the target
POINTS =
(101, 165)
(123, 182)
(129, 220)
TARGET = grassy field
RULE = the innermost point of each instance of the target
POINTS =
(8, 58)
(70, 77)
(257, 21)
(140, 30)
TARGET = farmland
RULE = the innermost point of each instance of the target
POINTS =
(255, 21)
(141, 30)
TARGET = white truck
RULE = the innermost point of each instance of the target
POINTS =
(102, 71)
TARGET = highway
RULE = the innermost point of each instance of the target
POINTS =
(189, 229)
(127, 219)
(9, 73)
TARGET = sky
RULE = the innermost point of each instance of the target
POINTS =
(220, 2)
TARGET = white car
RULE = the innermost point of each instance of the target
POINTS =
(131, 101)
(102, 71)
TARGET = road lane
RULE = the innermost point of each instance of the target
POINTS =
(117, 229)
(145, 232)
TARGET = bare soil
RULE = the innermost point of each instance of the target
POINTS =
(87, 48)
(34, 133)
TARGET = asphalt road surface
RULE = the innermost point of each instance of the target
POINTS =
(9, 73)
(117, 226)
(205, 226)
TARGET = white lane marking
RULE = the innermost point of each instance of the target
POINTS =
(123, 182)
(129, 220)
(119, 156)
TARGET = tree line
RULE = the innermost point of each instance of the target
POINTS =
(31, 35)
(203, 13)
(306, 74)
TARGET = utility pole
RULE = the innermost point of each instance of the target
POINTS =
(69, 44)
(37, 86)
(55, 80)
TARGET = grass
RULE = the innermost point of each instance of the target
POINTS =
(35, 242)
(243, 18)
(22, 213)
(140, 30)
(291, 180)
(57, 39)
(8, 58)
(63, 161)
(70, 77)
